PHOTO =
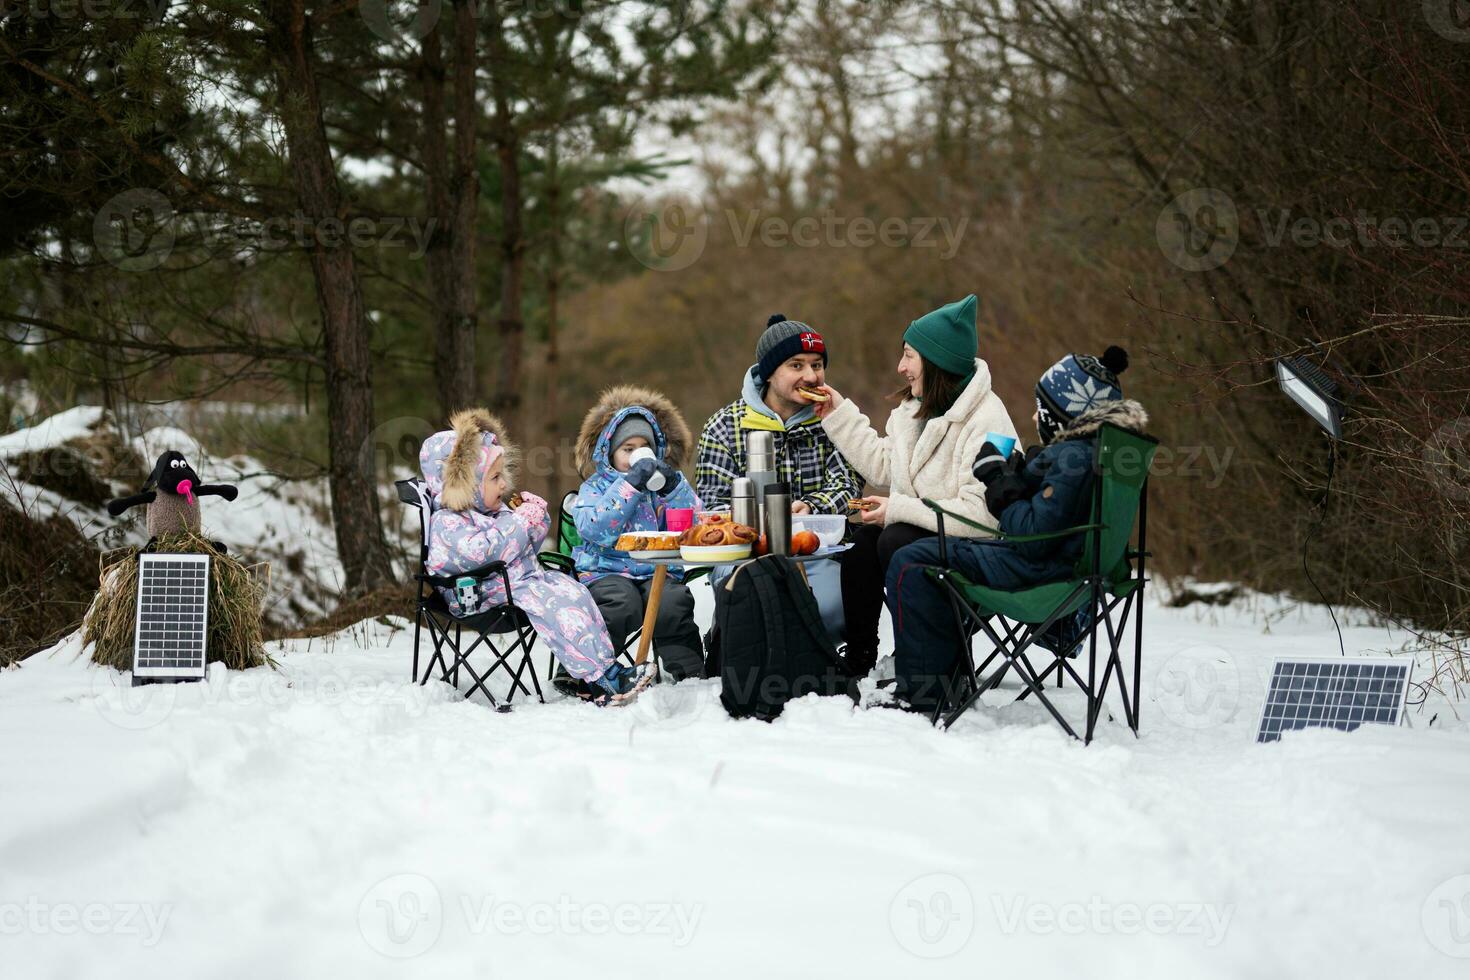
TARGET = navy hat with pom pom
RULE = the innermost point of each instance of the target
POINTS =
(785, 339)
(1079, 382)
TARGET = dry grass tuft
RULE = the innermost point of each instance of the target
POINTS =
(236, 595)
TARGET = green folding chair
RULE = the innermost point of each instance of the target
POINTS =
(1105, 579)
(559, 558)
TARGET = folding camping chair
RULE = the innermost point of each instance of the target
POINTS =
(446, 630)
(1103, 580)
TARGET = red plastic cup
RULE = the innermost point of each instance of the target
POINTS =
(679, 518)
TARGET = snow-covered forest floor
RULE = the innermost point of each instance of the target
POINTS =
(331, 818)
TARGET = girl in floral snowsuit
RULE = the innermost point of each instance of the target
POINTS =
(465, 471)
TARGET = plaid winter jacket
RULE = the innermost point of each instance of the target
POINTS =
(805, 457)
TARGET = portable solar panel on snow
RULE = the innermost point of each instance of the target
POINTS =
(1341, 694)
(173, 617)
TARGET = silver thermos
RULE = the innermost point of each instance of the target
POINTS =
(743, 509)
(761, 471)
(778, 518)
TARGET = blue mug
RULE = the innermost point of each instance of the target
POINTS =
(1004, 443)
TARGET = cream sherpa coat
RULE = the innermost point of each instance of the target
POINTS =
(916, 460)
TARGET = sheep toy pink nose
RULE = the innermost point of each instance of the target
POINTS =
(186, 487)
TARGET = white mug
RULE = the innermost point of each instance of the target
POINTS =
(655, 482)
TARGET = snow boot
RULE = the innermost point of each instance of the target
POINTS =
(619, 685)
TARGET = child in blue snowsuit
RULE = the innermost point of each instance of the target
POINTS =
(616, 499)
(1046, 489)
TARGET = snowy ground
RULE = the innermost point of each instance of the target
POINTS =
(330, 819)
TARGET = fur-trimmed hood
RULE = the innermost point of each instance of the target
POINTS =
(1125, 413)
(612, 407)
(452, 461)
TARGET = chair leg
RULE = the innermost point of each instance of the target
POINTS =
(527, 642)
(1014, 652)
(1137, 653)
(418, 621)
(458, 641)
(440, 637)
(1093, 707)
(462, 656)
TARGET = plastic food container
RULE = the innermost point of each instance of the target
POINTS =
(828, 528)
(713, 553)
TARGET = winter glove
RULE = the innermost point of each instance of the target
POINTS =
(640, 473)
(989, 464)
(1003, 490)
(671, 479)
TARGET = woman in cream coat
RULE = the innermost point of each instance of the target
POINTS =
(946, 410)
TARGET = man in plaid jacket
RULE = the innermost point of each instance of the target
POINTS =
(789, 355)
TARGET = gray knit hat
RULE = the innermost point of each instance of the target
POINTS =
(634, 425)
(785, 339)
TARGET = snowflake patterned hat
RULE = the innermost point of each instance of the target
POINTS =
(1078, 383)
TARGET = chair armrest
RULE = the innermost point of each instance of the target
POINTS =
(482, 572)
(938, 511)
(557, 562)
(1065, 532)
(997, 532)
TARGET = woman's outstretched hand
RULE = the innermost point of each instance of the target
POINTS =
(834, 399)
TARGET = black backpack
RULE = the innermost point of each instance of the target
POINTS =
(771, 644)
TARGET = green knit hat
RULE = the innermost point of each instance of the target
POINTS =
(947, 337)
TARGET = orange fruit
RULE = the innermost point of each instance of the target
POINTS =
(805, 543)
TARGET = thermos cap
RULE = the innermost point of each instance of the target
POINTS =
(778, 488)
(742, 487)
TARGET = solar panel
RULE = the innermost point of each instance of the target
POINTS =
(1341, 694)
(173, 617)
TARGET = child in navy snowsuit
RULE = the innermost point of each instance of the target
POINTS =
(1046, 489)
